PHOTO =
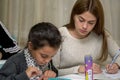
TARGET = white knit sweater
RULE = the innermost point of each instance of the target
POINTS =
(73, 50)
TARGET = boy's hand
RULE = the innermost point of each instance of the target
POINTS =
(49, 74)
(32, 71)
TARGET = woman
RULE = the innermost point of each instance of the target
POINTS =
(85, 35)
(34, 62)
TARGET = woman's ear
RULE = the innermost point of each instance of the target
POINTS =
(30, 46)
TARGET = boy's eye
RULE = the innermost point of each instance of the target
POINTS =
(44, 56)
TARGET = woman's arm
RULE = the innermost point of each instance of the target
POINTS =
(112, 50)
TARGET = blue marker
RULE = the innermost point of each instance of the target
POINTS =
(115, 57)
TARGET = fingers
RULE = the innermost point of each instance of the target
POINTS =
(49, 74)
(81, 69)
(112, 69)
(41, 78)
(96, 68)
(32, 71)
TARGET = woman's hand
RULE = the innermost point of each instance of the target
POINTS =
(48, 74)
(96, 68)
(113, 68)
(81, 69)
(33, 71)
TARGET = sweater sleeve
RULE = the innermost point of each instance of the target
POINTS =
(70, 70)
(9, 72)
(113, 48)
(63, 71)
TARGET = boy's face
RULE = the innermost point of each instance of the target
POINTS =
(43, 55)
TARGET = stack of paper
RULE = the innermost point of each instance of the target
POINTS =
(112, 76)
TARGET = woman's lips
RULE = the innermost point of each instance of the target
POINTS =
(82, 31)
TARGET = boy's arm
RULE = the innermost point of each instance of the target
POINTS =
(9, 71)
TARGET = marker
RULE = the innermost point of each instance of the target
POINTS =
(88, 68)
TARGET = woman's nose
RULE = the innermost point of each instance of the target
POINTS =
(85, 25)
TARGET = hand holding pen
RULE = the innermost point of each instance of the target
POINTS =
(33, 72)
(49, 74)
(45, 76)
(113, 67)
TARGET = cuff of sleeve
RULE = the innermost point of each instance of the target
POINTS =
(117, 61)
(75, 69)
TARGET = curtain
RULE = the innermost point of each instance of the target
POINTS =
(20, 15)
(112, 18)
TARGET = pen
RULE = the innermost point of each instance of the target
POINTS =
(115, 57)
(42, 70)
(37, 76)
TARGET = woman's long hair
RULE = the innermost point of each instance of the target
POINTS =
(95, 8)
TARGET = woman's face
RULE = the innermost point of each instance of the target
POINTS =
(43, 55)
(84, 23)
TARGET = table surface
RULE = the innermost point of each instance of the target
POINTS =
(82, 77)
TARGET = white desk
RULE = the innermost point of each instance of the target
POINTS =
(101, 76)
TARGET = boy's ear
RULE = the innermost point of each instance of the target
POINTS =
(30, 46)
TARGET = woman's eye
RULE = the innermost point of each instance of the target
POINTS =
(91, 23)
(81, 20)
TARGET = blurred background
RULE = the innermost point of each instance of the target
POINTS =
(20, 15)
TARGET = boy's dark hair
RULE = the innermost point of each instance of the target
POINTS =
(43, 34)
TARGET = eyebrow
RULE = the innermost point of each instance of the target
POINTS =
(46, 55)
(88, 21)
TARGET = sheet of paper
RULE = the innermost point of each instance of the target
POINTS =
(102, 76)
(82, 76)
(95, 76)
(73, 77)
(112, 76)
